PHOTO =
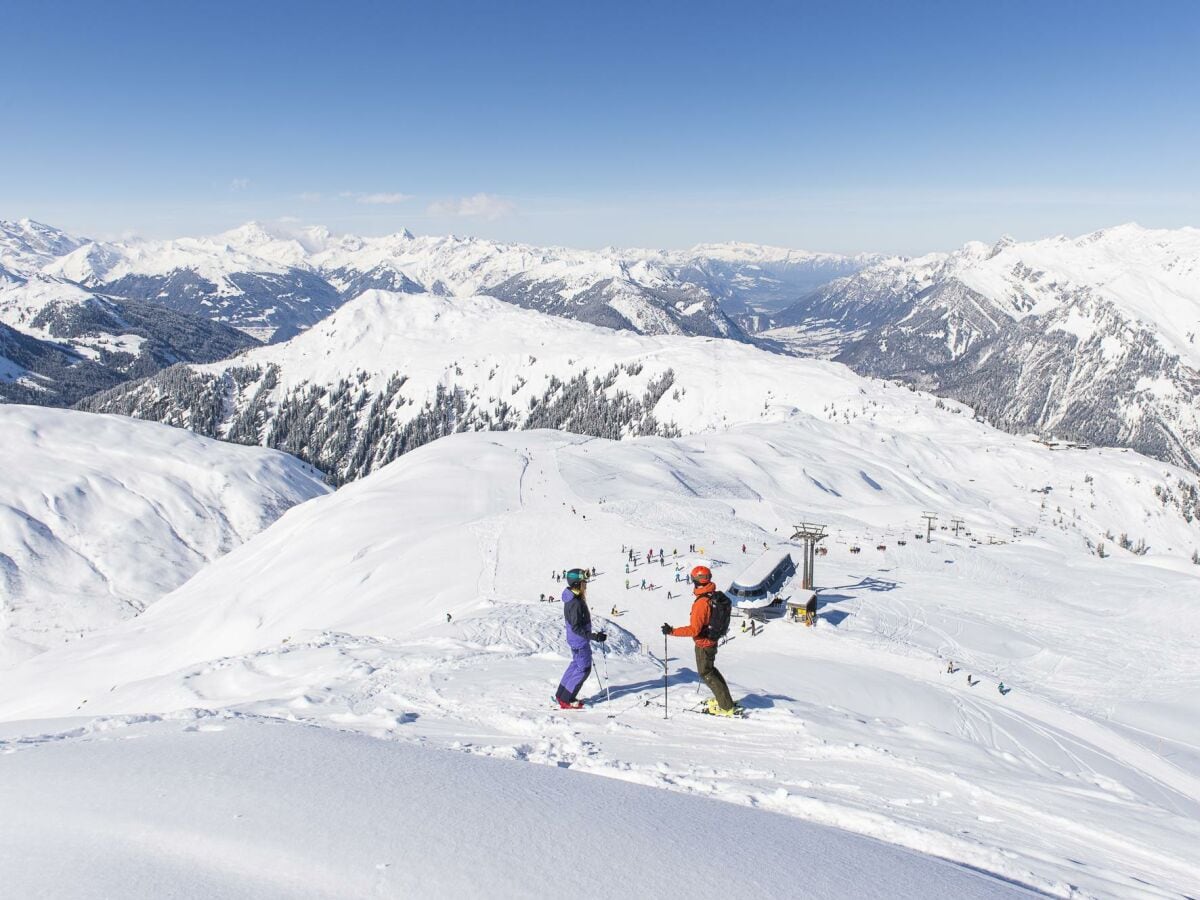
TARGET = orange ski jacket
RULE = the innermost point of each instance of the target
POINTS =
(699, 618)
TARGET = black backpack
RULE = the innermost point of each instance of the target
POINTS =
(719, 611)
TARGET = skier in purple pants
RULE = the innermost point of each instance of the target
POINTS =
(579, 639)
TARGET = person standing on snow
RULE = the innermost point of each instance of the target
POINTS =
(579, 637)
(706, 647)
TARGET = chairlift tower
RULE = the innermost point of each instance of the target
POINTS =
(957, 524)
(929, 518)
(810, 533)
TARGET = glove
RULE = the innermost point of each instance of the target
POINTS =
(599, 637)
(667, 629)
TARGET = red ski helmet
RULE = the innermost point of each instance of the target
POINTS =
(701, 575)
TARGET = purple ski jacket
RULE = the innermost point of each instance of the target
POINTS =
(579, 620)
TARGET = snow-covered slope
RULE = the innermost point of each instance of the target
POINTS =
(389, 372)
(101, 515)
(215, 807)
(27, 246)
(1092, 339)
(1085, 778)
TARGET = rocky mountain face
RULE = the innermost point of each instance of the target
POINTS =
(1091, 340)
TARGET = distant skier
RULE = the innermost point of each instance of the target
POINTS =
(743, 548)
(705, 629)
(643, 584)
(579, 637)
(541, 598)
(447, 617)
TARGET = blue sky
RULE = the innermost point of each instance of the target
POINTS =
(831, 126)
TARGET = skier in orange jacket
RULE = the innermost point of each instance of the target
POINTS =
(706, 646)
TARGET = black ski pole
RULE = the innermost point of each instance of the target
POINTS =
(607, 680)
(665, 716)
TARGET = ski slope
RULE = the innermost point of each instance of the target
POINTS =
(1083, 781)
(102, 515)
(221, 806)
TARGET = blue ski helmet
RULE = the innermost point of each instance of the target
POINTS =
(576, 577)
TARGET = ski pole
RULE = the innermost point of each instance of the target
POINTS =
(665, 716)
(607, 680)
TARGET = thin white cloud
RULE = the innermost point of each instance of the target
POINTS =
(379, 198)
(384, 198)
(310, 196)
(479, 206)
(239, 184)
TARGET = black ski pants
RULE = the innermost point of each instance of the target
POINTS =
(706, 659)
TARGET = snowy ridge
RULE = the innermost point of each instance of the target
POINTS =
(26, 246)
(108, 514)
(1092, 339)
(389, 372)
(1085, 779)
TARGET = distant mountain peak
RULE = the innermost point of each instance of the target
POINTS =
(1001, 245)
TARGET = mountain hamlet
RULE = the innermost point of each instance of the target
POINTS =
(286, 517)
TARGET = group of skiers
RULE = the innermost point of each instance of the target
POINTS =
(708, 623)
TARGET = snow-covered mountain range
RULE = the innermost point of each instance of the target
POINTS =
(389, 372)
(1092, 339)
(60, 342)
(1089, 339)
(406, 605)
(102, 515)
(275, 283)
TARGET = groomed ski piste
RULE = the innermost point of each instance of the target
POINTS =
(1083, 780)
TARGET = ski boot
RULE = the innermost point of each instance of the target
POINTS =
(573, 704)
(714, 709)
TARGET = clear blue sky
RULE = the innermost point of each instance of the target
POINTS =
(847, 126)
